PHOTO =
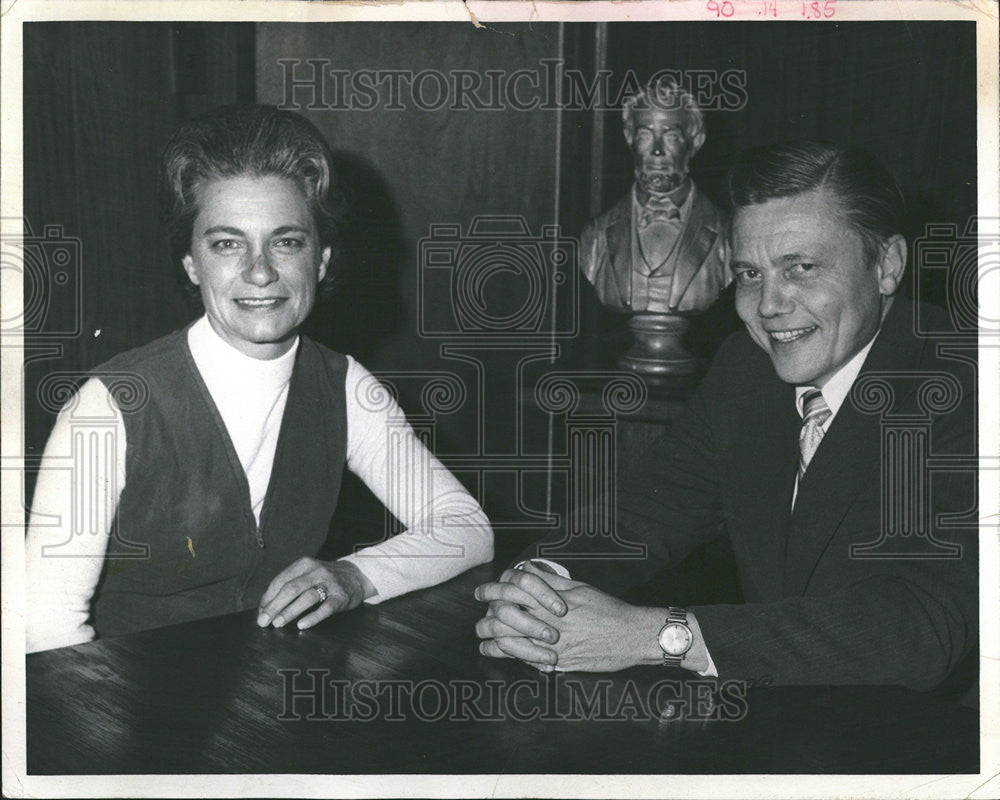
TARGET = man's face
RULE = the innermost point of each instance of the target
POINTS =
(802, 286)
(661, 148)
(256, 257)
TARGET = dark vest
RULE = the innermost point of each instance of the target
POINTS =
(185, 543)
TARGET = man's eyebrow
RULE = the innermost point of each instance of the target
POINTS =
(793, 258)
(788, 258)
(289, 229)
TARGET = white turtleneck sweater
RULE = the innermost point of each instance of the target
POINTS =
(446, 531)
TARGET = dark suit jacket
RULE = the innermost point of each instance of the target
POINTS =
(814, 613)
(700, 273)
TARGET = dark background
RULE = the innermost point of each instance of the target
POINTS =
(100, 100)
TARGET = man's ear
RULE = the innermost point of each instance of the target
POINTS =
(627, 131)
(192, 273)
(324, 262)
(892, 265)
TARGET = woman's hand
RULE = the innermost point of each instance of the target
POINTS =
(325, 586)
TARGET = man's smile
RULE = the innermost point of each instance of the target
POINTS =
(790, 335)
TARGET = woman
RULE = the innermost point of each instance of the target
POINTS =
(222, 478)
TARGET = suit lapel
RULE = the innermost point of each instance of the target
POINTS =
(620, 247)
(764, 430)
(848, 458)
(695, 245)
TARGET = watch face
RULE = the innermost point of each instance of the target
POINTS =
(675, 639)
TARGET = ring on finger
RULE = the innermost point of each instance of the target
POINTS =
(321, 591)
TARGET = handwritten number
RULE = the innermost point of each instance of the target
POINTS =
(723, 9)
(817, 10)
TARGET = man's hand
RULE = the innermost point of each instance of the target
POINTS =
(600, 633)
(596, 632)
(511, 627)
(293, 592)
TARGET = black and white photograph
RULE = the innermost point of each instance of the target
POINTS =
(500, 400)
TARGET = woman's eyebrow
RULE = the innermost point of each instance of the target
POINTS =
(222, 229)
(237, 232)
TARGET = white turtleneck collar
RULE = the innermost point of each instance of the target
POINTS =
(250, 395)
(224, 367)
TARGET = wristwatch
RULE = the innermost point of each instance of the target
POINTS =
(675, 637)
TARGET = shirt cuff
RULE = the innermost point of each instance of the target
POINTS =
(558, 569)
(710, 671)
(388, 582)
(50, 641)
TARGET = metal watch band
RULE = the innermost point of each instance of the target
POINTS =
(675, 614)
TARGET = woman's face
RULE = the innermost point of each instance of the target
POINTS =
(255, 255)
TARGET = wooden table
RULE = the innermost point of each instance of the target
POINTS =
(223, 696)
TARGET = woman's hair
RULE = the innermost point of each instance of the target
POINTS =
(869, 197)
(252, 140)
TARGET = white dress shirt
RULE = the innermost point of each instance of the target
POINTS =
(834, 393)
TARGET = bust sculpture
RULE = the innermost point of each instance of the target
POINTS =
(659, 253)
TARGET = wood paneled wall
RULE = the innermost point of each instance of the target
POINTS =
(100, 99)
(906, 91)
(409, 170)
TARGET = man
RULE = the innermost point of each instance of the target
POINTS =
(659, 249)
(791, 475)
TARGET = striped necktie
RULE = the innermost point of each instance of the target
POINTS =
(815, 413)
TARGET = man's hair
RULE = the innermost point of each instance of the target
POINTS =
(248, 140)
(663, 92)
(867, 193)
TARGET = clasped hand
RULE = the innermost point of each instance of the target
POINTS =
(554, 623)
(293, 592)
